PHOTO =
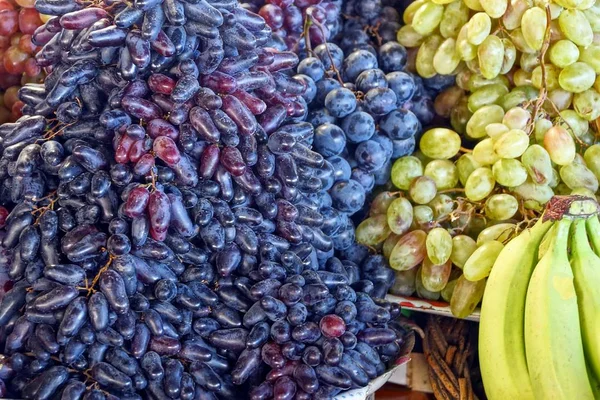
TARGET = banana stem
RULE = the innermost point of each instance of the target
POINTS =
(560, 207)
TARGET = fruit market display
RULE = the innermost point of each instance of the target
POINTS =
(545, 277)
(18, 22)
(165, 218)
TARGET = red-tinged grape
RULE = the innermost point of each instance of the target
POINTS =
(26, 46)
(332, 326)
(160, 83)
(166, 149)
(136, 203)
(11, 96)
(6, 5)
(32, 69)
(26, 3)
(29, 20)
(14, 60)
(17, 109)
(272, 14)
(9, 22)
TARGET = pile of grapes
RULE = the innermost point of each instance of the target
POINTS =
(523, 131)
(166, 230)
(18, 22)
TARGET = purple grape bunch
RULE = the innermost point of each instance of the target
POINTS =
(169, 231)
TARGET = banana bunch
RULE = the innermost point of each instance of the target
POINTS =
(539, 335)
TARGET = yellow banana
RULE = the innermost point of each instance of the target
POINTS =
(553, 343)
(501, 340)
(593, 225)
(586, 270)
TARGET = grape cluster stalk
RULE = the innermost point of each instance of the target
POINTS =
(164, 221)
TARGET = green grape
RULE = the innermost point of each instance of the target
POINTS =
(441, 205)
(571, 121)
(422, 157)
(563, 53)
(500, 207)
(555, 180)
(555, 10)
(478, 81)
(373, 231)
(509, 172)
(560, 99)
(483, 152)
(389, 243)
(511, 19)
(474, 5)
(381, 203)
(411, 9)
(490, 94)
(443, 172)
(575, 26)
(448, 290)
(491, 56)
(438, 245)
(528, 62)
(483, 117)
(427, 18)
(460, 115)
(466, 296)
(479, 27)
(400, 215)
(422, 190)
(465, 50)
(536, 161)
(587, 104)
(422, 216)
(501, 232)
(577, 77)
(519, 42)
(552, 77)
(462, 248)
(540, 127)
(534, 195)
(511, 144)
(480, 264)
(409, 251)
(577, 176)
(517, 118)
(510, 56)
(592, 14)
(404, 170)
(404, 284)
(446, 57)
(591, 56)
(494, 130)
(435, 277)
(480, 184)
(462, 78)
(583, 192)
(425, 54)
(421, 291)
(494, 8)
(579, 159)
(533, 26)
(560, 145)
(592, 159)
(521, 77)
(440, 143)
(408, 37)
(562, 190)
(518, 96)
(456, 14)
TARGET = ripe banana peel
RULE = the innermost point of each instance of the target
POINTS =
(531, 341)
(501, 336)
(553, 343)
